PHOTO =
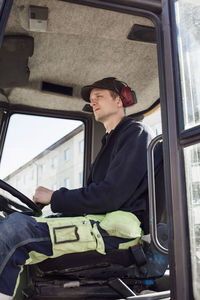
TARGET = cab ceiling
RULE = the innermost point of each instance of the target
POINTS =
(81, 45)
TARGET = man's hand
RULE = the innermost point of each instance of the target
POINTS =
(42, 195)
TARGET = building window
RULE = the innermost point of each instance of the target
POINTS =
(195, 155)
(54, 187)
(81, 178)
(81, 146)
(196, 192)
(153, 120)
(67, 183)
(33, 174)
(54, 162)
(67, 154)
(18, 182)
(43, 168)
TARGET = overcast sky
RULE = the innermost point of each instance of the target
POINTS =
(30, 135)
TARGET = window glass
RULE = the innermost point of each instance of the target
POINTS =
(192, 169)
(67, 154)
(153, 120)
(81, 146)
(54, 162)
(80, 178)
(188, 37)
(54, 187)
(67, 183)
(42, 168)
(33, 153)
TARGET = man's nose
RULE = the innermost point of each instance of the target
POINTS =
(93, 103)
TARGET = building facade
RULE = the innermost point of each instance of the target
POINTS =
(59, 165)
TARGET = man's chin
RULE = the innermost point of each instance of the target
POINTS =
(97, 118)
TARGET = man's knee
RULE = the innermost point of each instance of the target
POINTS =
(16, 228)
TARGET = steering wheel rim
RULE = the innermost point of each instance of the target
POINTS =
(32, 209)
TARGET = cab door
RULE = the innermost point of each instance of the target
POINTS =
(181, 119)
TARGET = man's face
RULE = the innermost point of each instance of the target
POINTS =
(103, 104)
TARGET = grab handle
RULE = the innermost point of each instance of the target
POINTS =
(152, 195)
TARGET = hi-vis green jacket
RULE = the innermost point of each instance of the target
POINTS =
(117, 180)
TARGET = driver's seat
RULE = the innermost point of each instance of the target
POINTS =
(117, 275)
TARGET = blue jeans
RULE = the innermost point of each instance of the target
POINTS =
(19, 234)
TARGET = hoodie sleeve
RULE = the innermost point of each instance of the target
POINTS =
(125, 172)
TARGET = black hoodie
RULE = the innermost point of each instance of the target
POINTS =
(118, 177)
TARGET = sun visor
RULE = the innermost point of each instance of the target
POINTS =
(14, 54)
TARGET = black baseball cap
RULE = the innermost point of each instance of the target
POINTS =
(108, 83)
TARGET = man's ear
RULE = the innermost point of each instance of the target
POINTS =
(119, 101)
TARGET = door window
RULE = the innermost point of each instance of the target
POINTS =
(188, 37)
(192, 169)
(187, 17)
(33, 153)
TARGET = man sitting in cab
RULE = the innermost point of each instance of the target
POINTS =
(108, 213)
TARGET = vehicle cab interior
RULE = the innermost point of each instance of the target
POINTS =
(49, 51)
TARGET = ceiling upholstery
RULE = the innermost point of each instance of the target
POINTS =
(81, 45)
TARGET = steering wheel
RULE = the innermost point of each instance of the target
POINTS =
(6, 205)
